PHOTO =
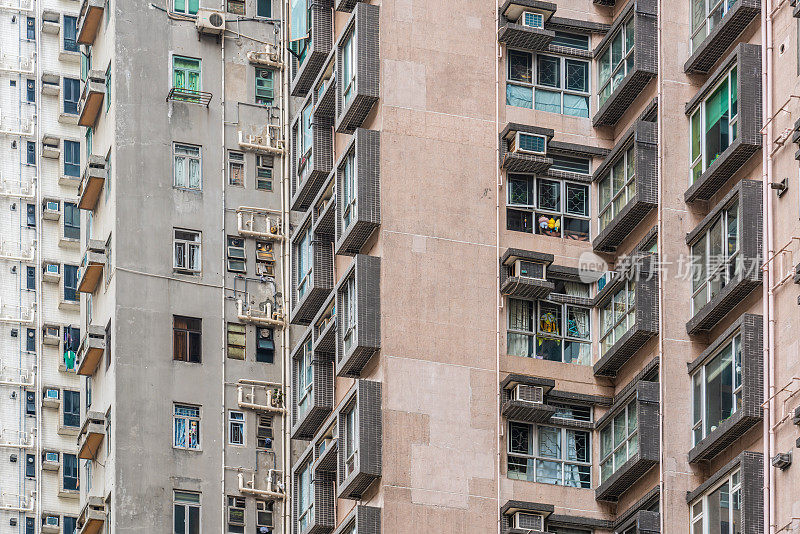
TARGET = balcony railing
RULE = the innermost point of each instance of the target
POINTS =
(179, 94)
(89, 20)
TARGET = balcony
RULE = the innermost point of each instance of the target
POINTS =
(311, 287)
(91, 102)
(523, 398)
(93, 516)
(749, 414)
(359, 471)
(361, 520)
(356, 97)
(91, 270)
(643, 15)
(89, 20)
(515, 34)
(518, 278)
(357, 220)
(746, 58)
(643, 138)
(325, 88)
(323, 494)
(91, 435)
(324, 330)
(92, 181)
(317, 47)
(318, 404)
(324, 210)
(739, 16)
(358, 338)
(91, 350)
(645, 395)
(514, 158)
(311, 169)
(191, 96)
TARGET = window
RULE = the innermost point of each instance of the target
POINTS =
(72, 340)
(265, 259)
(350, 440)
(86, 61)
(70, 524)
(573, 412)
(235, 168)
(186, 74)
(186, 166)
(187, 251)
(263, 8)
(237, 259)
(30, 525)
(570, 164)
(305, 499)
(187, 7)
(187, 340)
(713, 125)
(348, 170)
(30, 403)
(72, 94)
(715, 257)
(72, 408)
(616, 60)
(265, 345)
(88, 475)
(571, 40)
(263, 174)
(617, 188)
(30, 86)
(720, 510)
(304, 262)
(263, 515)
(186, 426)
(236, 341)
(300, 28)
(186, 504)
(237, 8)
(30, 215)
(72, 158)
(717, 390)
(707, 15)
(89, 136)
(70, 34)
(264, 432)
(618, 315)
(108, 87)
(348, 68)
(264, 88)
(30, 340)
(30, 278)
(619, 440)
(549, 455)
(305, 379)
(30, 153)
(559, 208)
(70, 472)
(305, 141)
(549, 331)
(349, 313)
(548, 83)
(72, 221)
(30, 27)
(108, 433)
(235, 427)
(88, 392)
(70, 283)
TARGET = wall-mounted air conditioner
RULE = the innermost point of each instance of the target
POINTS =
(529, 521)
(210, 22)
(528, 393)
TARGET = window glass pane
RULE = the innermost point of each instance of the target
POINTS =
(549, 101)
(519, 66)
(548, 72)
(576, 105)
(519, 96)
(548, 472)
(577, 75)
(549, 442)
(520, 439)
(572, 40)
(549, 195)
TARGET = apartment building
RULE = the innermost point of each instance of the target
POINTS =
(543, 258)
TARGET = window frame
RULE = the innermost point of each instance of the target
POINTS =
(186, 153)
(630, 436)
(189, 414)
(236, 160)
(532, 311)
(533, 459)
(305, 490)
(69, 41)
(616, 73)
(72, 167)
(349, 170)
(234, 349)
(617, 200)
(734, 483)
(349, 292)
(349, 60)
(264, 94)
(350, 439)
(305, 378)
(700, 405)
(192, 335)
(65, 476)
(73, 398)
(188, 245)
(534, 212)
(187, 504)
(698, 164)
(305, 261)
(728, 265)
(263, 174)
(70, 96)
(237, 420)
(190, 7)
(69, 222)
(707, 24)
(609, 335)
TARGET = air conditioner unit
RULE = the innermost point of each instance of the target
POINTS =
(528, 143)
(529, 521)
(210, 22)
(51, 520)
(51, 457)
(51, 268)
(532, 19)
(529, 269)
(50, 393)
(527, 393)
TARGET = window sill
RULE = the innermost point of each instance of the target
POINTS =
(69, 494)
(67, 430)
(68, 118)
(69, 242)
(69, 305)
(70, 57)
(69, 181)
(726, 300)
(724, 167)
(723, 436)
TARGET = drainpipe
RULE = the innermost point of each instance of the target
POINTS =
(499, 306)
(661, 274)
(223, 493)
(37, 265)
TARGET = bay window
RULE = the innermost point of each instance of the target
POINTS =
(348, 177)
(719, 511)
(714, 125)
(617, 188)
(715, 257)
(549, 331)
(557, 208)
(618, 315)
(549, 455)
(348, 68)
(305, 497)
(717, 390)
(619, 440)
(300, 28)
(304, 262)
(547, 82)
(616, 60)
(305, 379)
(350, 440)
(349, 313)
(305, 143)
(707, 15)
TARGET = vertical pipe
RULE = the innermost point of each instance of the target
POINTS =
(223, 524)
(37, 268)
(499, 304)
(661, 274)
(285, 264)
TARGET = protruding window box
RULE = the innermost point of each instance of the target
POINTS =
(522, 24)
(317, 46)
(312, 273)
(51, 146)
(51, 209)
(312, 164)
(524, 398)
(93, 516)
(51, 461)
(51, 397)
(91, 270)
(738, 352)
(642, 522)
(358, 184)
(50, 524)
(313, 404)
(91, 102)
(92, 181)
(709, 49)
(360, 438)
(634, 159)
(524, 148)
(358, 315)
(91, 350)
(641, 320)
(51, 334)
(91, 435)
(324, 325)
(324, 206)
(644, 400)
(51, 82)
(523, 274)
(518, 516)
(89, 20)
(361, 520)
(325, 88)
(730, 278)
(326, 447)
(321, 519)
(357, 68)
(738, 122)
(628, 78)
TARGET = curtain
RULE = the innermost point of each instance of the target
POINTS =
(576, 106)
(548, 101)
(521, 97)
(180, 171)
(180, 432)
(717, 106)
(194, 174)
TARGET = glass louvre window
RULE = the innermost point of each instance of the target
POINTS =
(264, 88)
(714, 125)
(619, 441)
(561, 84)
(570, 164)
(235, 427)
(187, 339)
(186, 426)
(305, 379)
(348, 189)
(187, 251)
(263, 174)
(616, 61)
(617, 188)
(549, 331)
(349, 312)
(559, 208)
(70, 34)
(236, 256)
(305, 142)
(187, 7)
(715, 257)
(304, 262)
(305, 497)
(186, 77)
(349, 68)
(571, 40)
(707, 15)
(549, 455)
(350, 440)
(186, 166)
(719, 511)
(186, 510)
(72, 95)
(717, 390)
(573, 412)
(618, 316)
(237, 341)
(235, 168)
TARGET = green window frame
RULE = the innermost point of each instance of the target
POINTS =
(713, 125)
(108, 88)
(186, 75)
(615, 61)
(300, 28)
(707, 15)
(264, 8)
(186, 7)
(265, 91)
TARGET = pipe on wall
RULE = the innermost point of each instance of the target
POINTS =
(661, 274)
(499, 304)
